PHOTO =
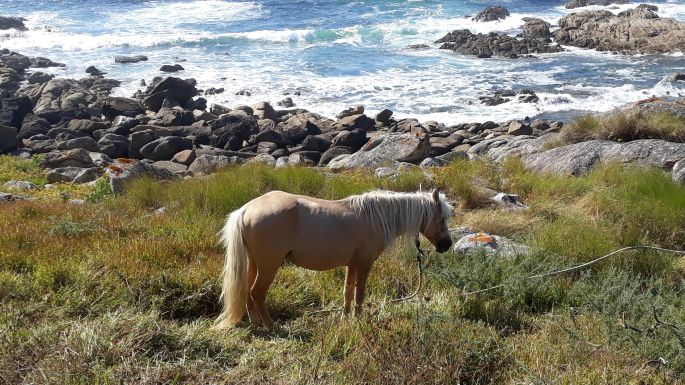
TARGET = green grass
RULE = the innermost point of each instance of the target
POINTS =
(115, 292)
(624, 126)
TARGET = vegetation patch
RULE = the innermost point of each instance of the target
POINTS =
(119, 291)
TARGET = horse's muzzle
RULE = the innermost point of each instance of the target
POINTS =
(443, 245)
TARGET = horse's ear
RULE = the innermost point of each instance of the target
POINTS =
(436, 195)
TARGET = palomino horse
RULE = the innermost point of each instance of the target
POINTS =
(319, 235)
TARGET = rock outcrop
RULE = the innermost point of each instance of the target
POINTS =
(492, 44)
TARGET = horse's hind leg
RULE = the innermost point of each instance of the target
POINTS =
(360, 288)
(348, 291)
(251, 306)
(265, 276)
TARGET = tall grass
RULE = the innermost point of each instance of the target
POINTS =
(119, 292)
(624, 126)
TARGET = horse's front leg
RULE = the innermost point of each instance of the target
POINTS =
(348, 291)
(362, 275)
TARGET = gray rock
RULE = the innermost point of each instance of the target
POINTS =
(165, 148)
(207, 164)
(354, 110)
(264, 110)
(492, 14)
(354, 139)
(20, 185)
(130, 59)
(578, 159)
(118, 106)
(452, 156)
(8, 139)
(333, 153)
(85, 142)
(490, 245)
(585, 3)
(185, 157)
(122, 173)
(431, 162)
(70, 158)
(7, 197)
(679, 172)
(87, 126)
(114, 146)
(72, 174)
(39, 77)
(509, 200)
(385, 115)
(174, 88)
(518, 128)
(535, 28)
(263, 159)
(628, 34)
(385, 172)
(294, 160)
(12, 23)
(174, 167)
(139, 140)
(383, 150)
(171, 68)
(465, 42)
(317, 143)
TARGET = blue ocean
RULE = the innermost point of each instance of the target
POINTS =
(330, 54)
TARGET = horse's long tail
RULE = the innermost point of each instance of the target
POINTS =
(234, 286)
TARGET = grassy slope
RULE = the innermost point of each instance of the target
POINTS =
(114, 292)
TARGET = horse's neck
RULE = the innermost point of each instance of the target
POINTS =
(395, 215)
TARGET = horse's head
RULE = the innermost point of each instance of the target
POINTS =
(435, 227)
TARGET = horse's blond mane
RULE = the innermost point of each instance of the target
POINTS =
(398, 214)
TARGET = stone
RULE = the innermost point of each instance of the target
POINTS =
(355, 110)
(174, 167)
(84, 142)
(8, 139)
(171, 68)
(130, 59)
(384, 116)
(679, 172)
(87, 126)
(118, 106)
(122, 172)
(13, 110)
(114, 146)
(490, 245)
(278, 138)
(20, 185)
(383, 150)
(175, 88)
(353, 122)
(263, 159)
(91, 70)
(354, 139)
(207, 164)
(230, 126)
(509, 201)
(492, 14)
(7, 197)
(316, 143)
(676, 77)
(70, 158)
(167, 117)
(264, 110)
(43, 62)
(165, 148)
(481, 45)
(185, 157)
(332, 153)
(627, 34)
(585, 3)
(535, 28)
(70, 174)
(431, 162)
(138, 140)
(385, 172)
(286, 102)
(39, 77)
(518, 128)
(294, 160)
(12, 23)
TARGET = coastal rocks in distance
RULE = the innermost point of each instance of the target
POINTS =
(492, 44)
(130, 59)
(492, 14)
(171, 68)
(383, 150)
(501, 97)
(175, 88)
(585, 3)
(637, 32)
(536, 29)
(12, 23)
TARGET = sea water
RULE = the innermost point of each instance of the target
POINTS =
(330, 54)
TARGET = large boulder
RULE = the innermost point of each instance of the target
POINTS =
(138, 140)
(465, 42)
(492, 14)
(628, 33)
(206, 164)
(12, 23)
(122, 172)
(113, 145)
(585, 3)
(354, 139)
(230, 126)
(333, 153)
(84, 142)
(87, 126)
(78, 157)
(118, 106)
(15, 61)
(489, 244)
(679, 172)
(383, 150)
(73, 174)
(165, 148)
(14, 110)
(578, 159)
(8, 139)
(264, 110)
(175, 88)
(535, 28)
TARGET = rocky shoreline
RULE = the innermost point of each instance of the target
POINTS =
(168, 131)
